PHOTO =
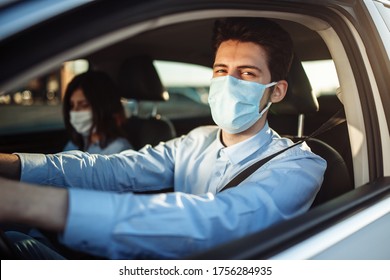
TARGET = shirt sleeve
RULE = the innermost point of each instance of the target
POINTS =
(176, 225)
(117, 172)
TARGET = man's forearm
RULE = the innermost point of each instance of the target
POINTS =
(43, 207)
(10, 166)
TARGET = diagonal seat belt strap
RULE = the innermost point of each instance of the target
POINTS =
(335, 120)
(252, 168)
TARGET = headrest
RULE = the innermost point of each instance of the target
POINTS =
(299, 98)
(139, 80)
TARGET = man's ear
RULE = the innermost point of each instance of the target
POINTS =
(279, 92)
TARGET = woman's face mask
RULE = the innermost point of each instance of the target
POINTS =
(235, 103)
(81, 121)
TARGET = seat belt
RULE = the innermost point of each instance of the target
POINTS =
(334, 121)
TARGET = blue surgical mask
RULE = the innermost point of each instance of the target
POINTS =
(235, 103)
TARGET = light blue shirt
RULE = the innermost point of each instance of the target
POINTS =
(118, 145)
(107, 219)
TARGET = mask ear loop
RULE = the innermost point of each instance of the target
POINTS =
(265, 108)
(269, 102)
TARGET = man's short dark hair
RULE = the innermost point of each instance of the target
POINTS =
(275, 40)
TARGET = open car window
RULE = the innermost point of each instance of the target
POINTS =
(342, 46)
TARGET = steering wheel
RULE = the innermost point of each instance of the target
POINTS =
(7, 252)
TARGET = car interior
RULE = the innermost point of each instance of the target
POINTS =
(130, 64)
(138, 80)
(128, 54)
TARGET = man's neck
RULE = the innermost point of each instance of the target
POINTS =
(230, 139)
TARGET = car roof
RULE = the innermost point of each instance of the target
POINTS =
(96, 29)
(16, 16)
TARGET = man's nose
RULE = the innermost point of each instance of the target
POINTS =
(234, 73)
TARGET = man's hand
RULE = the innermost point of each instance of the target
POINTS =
(42, 207)
(10, 166)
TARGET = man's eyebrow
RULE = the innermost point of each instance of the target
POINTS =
(219, 65)
(250, 67)
(239, 67)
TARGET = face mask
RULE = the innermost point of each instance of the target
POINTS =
(235, 103)
(81, 121)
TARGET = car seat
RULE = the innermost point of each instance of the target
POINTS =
(338, 136)
(288, 116)
(138, 80)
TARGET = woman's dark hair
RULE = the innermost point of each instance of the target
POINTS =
(276, 41)
(107, 109)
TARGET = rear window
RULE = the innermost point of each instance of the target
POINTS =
(187, 86)
(37, 105)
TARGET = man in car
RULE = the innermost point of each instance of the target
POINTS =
(93, 202)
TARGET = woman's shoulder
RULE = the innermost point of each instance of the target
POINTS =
(115, 146)
(120, 144)
(70, 146)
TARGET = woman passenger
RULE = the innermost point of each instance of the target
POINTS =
(94, 115)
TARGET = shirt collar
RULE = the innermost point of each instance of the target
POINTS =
(242, 150)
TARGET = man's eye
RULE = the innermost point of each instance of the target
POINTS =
(219, 71)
